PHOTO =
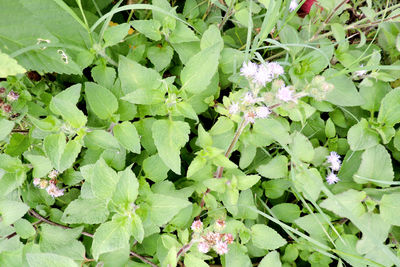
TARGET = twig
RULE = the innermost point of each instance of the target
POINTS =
(184, 249)
(42, 219)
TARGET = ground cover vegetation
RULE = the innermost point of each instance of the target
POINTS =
(199, 133)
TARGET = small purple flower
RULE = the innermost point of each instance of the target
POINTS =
(332, 178)
(275, 69)
(334, 160)
(12, 96)
(248, 69)
(293, 5)
(203, 247)
(286, 94)
(262, 112)
(234, 108)
(263, 75)
(221, 247)
(2, 90)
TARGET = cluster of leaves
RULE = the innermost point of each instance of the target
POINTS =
(120, 136)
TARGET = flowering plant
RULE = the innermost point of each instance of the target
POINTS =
(199, 133)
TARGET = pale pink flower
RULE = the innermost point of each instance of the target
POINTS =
(203, 247)
(248, 69)
(12, 96)
(285, 94)
(332, 178)
(53, 191)
(53, 174)
(262, 76)
(250, 116)
(36, 181)
(234, 108)
(249, 99)
(221, 247)
(219, 225)
(293, 5)
(262, 112)
(211, 237)
(43, 183)
(275, 69)
(360, 73)
(334, 160)
(197, 226)
(228, 238)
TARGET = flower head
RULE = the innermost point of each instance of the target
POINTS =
(360, 73)
(12, 96)
(293, 5)
(2, 90)
(250, 116)
(53, 191)
(262, 112)
(36, 181)
(249, 99)
(332, 178)
(248, 69)
(7, 108)
(203, 247)
(197, 226)
(53, 174)
(221, 247)
(334, 160)
(234, 108)
(285, 94)
(228, 238)
(43, 183)
(275, 69)
(262, 76)
(219, 225)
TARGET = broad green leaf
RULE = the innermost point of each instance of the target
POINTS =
(302, 148)
(275, 168)
(127, 187)
(308, 181)
(247, 181)
(286, 212)
(89, 211)
(314, 224)
(272, 259)
(150, 28)
(182, 34)
(265, 237)
(160, 56)
(376, 165)
(104, 180)
(273, 129)
(155, 169)
(163, 208)
(350, 199)
(6, 127)
(18, 144)
(24, 228)
(135, 76)
(127, 136)
(69, 155)
(231, 60)
(101, 139)
(49, 260)
(145, 96)
(10, 164)
(212, 36)
(198, 71)
(137, 228)
(103, 75)
(389, 112)
(101, 100)
(275, 188)
(110, 236)
(345, 93)
(373, 92)
(9, 66)
(11, 210)
(169, 137)
(114, 35)
(191, 260)
(41, 165)
(361, 136)
(61, 155)
(236, 257)
(389, 208)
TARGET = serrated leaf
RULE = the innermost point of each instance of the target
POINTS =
(127, 135)
(11, 210)
(104, 180)
(389, 112)
(6, 127)
(89, 211)
(265, 237)
(127, 188)
(389, 208)
(169, 137)
(114, 35)
(9, 66)
(275, 168)
(361, 136)
(302, 148)
(163, 208)
(155, 169)
(49, 260)
(41, 165)
(101, 139)
(101, 100)
(150, 28)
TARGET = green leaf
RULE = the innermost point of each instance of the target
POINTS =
(345, 93)
(19, 143)
(11, 210)
(361, 136)
(145, 96)
(49, 260)
(389, 208)
(198, 71)
(389, 112)
(182, 34)
(150, 28)
(163, 208)
(101, 139)
(236, 257)
(286, 212)
(212, 36)
(247, 181)
(308, 181)
(10, 164)
(275, 188)
(101, 100)
(127, 136)
(271, 128)
(373, 92)
(272, 259)
(135, 76)
(103, 75)
(302, 148)
(155, 169)
(191, 260)
(376, 164)
(265, 237)
(6, 127)
(231, 60)
(350, 199)
(68, 157)
(9, 66)
(24, 228)
(160, 56)
(127, 188)
(41, 165)
(89, 211)
(169, 137)
(64, 104)
(61, 155)
(110, 236)
(137, 228)
(275, 168)
(103, 180)
(114, 35)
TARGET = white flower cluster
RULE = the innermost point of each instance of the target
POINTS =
(261, 74)
(215, 240)
(50, 186)
(334, 160)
